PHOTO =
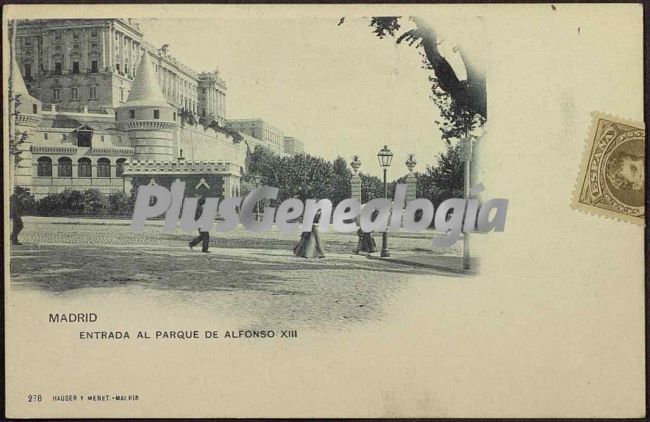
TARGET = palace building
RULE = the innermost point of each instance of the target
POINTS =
(100, 108)
(261, 130)
(293, 146)
(92, 62)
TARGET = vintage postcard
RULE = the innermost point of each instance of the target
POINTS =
(333, 211)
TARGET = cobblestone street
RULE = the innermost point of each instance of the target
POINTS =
(254, 276)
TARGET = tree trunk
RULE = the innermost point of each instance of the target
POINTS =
(470, 94)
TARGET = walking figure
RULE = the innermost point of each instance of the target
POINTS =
(366, 242)
(310, 245)
(203, 236)
(17, 222)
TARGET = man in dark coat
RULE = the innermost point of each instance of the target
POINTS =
(203, 236)
(17, 222)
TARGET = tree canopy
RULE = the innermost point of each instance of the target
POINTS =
(308, 177)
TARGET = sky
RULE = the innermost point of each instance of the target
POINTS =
(339, 89)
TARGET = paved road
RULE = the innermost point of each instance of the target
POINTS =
(87, 231)
(249, 274)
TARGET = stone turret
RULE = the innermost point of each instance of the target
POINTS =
(27, 118)
(147, 117)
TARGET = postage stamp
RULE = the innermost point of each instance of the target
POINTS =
(612, 177)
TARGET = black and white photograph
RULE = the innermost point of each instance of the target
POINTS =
(102, 108)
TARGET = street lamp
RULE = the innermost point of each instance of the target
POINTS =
(258, 180)
(385, 158)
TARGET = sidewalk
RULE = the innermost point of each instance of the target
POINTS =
(447, 263)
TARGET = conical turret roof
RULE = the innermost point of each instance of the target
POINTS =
(145, 90)
(19, 87)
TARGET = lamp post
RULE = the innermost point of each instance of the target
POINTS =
(466, 156)
(258, 181)
(385, 157)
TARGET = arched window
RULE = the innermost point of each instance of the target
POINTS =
(44, 166)
(65, 167)
(119, 167)
(103, 167)
(84, 168)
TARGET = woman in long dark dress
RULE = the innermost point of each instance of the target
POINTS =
(366, 241)
(310, 245)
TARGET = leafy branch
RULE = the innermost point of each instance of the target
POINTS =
(16, 138)
(462, 103)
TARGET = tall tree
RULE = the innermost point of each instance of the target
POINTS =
(444, 179)
(372, 187)
(341, 188)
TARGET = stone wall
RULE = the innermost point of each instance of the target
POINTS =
(208, 145)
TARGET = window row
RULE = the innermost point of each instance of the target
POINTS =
(27, 42)
(124, 69)
(84, 167)
(74, 93)
(75, 35)
(156, 114)
(58, 67)
(85, 141)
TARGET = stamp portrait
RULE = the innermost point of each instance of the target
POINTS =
(612, 176)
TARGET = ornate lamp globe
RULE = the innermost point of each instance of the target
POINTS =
(385, 157)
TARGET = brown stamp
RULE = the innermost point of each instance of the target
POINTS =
(612, 177)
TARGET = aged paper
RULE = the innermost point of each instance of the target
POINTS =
(544, 318)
